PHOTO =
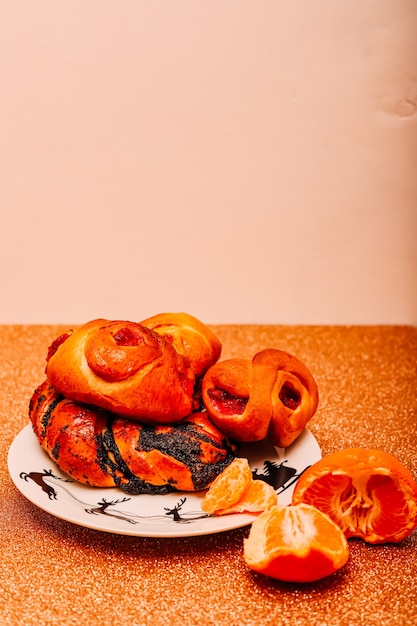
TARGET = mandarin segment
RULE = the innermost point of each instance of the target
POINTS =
(295, 544)
(369, 493)
(228, 487)
(258, 497)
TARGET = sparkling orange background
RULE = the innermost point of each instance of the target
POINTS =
(53, 572)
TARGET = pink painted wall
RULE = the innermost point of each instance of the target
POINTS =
(243, 161)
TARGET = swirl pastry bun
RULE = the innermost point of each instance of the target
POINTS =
(273, 395)
(124, 368)
(100, 449)
(189, 337)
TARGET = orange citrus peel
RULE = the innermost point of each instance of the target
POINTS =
(369, 493)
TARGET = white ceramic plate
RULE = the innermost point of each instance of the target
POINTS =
(173, 515)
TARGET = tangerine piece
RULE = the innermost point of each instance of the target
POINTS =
(228, 487)
(295, 544)
(369, 493)
(259, 496)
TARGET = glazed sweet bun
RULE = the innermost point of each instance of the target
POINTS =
(272, 395)
(122, 367)
(189, 337)
(100, 449)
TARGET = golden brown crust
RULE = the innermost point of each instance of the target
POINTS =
(274, 395)
(71, 435)
(189, 337)
(124, 368)
(101, 449)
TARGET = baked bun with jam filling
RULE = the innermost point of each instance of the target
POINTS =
(125, 368)
(273, 395)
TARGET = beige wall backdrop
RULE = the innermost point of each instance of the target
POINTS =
(248, 161)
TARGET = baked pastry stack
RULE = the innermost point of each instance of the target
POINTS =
(150, 408)
(119, 405)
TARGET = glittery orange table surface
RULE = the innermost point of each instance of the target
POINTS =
(54, 572)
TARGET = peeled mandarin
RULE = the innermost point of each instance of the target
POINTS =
(295, 544)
